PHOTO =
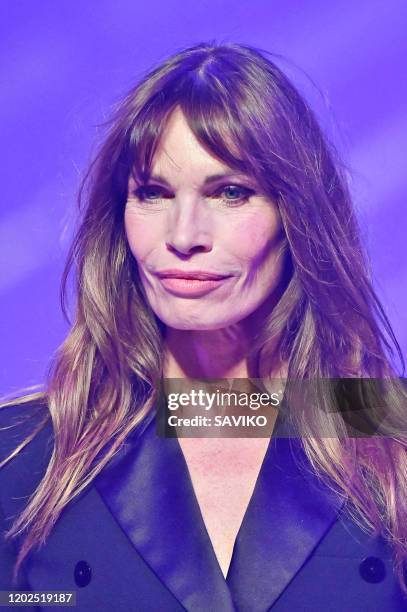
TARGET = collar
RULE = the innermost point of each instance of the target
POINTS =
(149, 492)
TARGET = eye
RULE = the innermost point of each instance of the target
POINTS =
(229, 194)
(150, 192)
(234, 194)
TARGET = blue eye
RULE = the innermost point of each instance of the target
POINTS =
(228, 194)
(235, 193)
(149, 192)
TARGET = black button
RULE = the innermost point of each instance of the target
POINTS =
(372, 569)
(82, 573)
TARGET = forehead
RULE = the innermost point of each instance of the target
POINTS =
(180, 153)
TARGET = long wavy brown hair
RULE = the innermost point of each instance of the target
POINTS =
(328, 322)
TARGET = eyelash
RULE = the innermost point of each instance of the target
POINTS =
(246, 193)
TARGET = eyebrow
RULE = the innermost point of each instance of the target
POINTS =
(212, 178)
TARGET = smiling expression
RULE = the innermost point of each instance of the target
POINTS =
(196, 214)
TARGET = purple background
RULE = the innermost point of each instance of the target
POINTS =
(63, 66)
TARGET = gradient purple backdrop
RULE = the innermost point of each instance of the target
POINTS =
(63, 66)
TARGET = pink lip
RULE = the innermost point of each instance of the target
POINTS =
(191, 274)
(191, 287)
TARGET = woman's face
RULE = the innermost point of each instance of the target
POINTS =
(195, 215)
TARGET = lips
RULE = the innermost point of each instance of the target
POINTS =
(191, 274)
(191, 284)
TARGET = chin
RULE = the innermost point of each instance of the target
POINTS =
(195, 326)
(195, 322)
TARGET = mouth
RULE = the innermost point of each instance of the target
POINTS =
(201, 275)
(191, 286)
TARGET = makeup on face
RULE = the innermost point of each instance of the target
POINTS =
(207, 243)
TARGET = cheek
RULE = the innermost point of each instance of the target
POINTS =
(142, 234)
(257, 236)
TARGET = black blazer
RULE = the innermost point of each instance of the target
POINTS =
(135, 538)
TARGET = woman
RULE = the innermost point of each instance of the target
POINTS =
(217, 241)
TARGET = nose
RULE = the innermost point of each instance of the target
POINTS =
(189, 227)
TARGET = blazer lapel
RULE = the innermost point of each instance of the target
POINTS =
(149, 492)
(289, 513)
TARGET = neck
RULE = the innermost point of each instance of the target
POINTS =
(220, 353)
(210, 355)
